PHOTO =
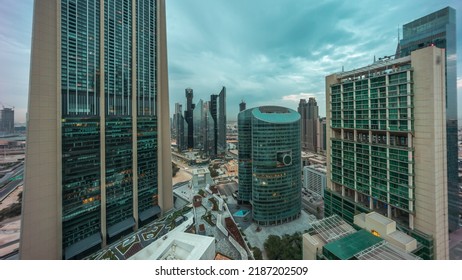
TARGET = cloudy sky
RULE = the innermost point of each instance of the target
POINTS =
(263, 51)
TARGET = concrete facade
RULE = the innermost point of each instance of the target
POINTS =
(423, 206)
(42, 229)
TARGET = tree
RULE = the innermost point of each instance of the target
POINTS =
(289, 247)
(175, 169)
(257, 254)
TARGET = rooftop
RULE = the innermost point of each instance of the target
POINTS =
(176, 246)
(348, 246)
(318, 167)
(275, 114)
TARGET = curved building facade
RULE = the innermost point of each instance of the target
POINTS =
(269, 163)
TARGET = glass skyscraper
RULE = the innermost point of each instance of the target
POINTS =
(270, 163)
(98, 127)
(439, 29)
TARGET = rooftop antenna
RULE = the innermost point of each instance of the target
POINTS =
(374, 58)
(343, 69)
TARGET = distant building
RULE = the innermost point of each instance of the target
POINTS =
(180, 126)
(309, 122)
(7, 121)
(439, 29)
(218, 111)
(199, 124)
(188, 115)
(322, 128)
(269, 163)
(334, 239)
(386, 142)
(242, 106)
(314, 179)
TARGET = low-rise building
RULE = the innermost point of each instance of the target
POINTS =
(333, 238)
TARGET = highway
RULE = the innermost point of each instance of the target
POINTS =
(14, 179)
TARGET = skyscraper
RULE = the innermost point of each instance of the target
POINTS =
(178, 119)
(188, 115)
(199, 131)
(218, 111)
(221, 134)
(270, 163)
(439, 29)
(7, 121)
(98, 162)
(322, 134)
(309, 124)
(386, 147)
(242, 106)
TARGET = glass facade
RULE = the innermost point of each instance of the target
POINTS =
(82, 123)
(439, 29)
(81, 185)
(374, 156)
(270, 163)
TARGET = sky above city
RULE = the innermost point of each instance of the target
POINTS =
(265, 52)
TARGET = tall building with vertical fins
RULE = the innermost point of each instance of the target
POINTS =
(98, 162)
(386, 146)
(439, 29)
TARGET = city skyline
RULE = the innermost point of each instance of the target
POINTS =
(260, 55)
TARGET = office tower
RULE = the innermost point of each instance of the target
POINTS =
(7, 120)
(386, 147)
(199, 125)
(314, 178)
(242, 106)
(98, 162)
(221, 133)
(218, 111)
(179, 121)
(209, 130)
(188, 115)
(309, 124)
(214, 112)
(439, 29)
(322, 134)
(270, 163)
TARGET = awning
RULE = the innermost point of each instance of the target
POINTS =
(82, 246)
(150, 212)
(120, 226)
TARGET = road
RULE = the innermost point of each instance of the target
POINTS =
(17, 176)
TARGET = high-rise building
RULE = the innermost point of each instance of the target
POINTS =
(218, 111)
(188, 115)
(309, 124)
(221, 134)
(7, 121)
(199, 131)
(270, 163)
(386, 147)
(210, 146)
(98, 160)
(242, 106)
(322, 135)
(439, 29)
(179, 128)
